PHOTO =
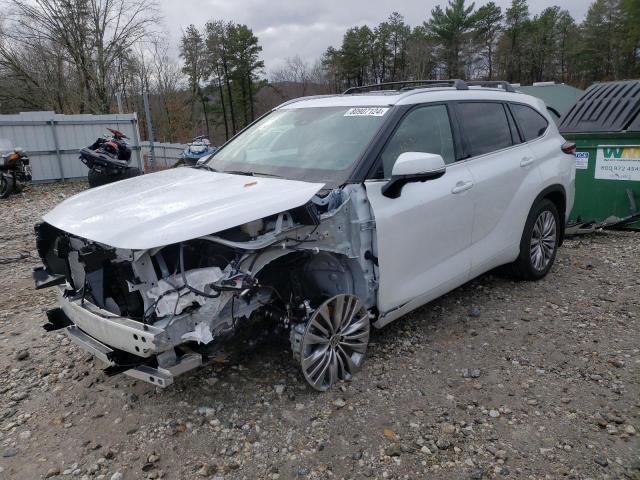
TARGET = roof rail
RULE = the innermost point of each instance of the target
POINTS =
(506, 86)
(408, 84)
(300, 99)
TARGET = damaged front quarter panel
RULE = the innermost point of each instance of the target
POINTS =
(157, 312)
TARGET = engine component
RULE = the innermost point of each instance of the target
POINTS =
(172, 297)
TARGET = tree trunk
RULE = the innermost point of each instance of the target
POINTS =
(253, 113)
(60, 82)
(224, 110)
(512, 58)
(169, 119)
(490, 62)
(228, 83)
(204, 111)
(562, 59)
(243, 90)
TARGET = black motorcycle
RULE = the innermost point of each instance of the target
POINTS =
(15, 170)
(108, 159)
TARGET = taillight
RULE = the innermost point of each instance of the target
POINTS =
(569, 148)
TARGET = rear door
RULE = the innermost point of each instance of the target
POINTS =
(505, 181)
(423, 236)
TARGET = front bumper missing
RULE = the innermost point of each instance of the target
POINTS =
(109, 338)
(161, 377)
(91, 345)
(120, 333)
(44, 279)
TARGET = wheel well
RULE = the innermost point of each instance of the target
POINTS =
(313, 276)
(557, 196)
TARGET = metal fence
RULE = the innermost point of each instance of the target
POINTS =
(53, 141)
(167, 154)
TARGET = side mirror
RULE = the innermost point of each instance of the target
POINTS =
(413, 167)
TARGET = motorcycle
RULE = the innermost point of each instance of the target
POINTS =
(198, 148)
(15, 170)
(108, 159)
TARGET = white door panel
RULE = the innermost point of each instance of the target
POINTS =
(499, 180)
(423, 236)
(506, 182)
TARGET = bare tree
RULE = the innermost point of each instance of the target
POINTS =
(91, 34)
(167, 80)
(296, 71)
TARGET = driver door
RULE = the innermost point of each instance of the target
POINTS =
(423, 236)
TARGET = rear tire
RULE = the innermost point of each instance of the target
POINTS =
(539, 243)
(7, 184)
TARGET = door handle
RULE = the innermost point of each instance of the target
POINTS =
(462, 187)
(526, 161)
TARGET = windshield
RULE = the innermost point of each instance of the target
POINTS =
(318, 144)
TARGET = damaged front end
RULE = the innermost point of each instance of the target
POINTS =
(158, 312)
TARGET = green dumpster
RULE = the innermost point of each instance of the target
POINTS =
(605, 126)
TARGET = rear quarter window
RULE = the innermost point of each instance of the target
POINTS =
(532, 124)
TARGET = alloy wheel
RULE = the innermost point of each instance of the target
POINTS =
(543, 240)
(335, 341)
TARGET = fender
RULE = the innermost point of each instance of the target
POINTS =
(553, 192)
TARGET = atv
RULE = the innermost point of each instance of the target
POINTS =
(108, 159)
(15, 170)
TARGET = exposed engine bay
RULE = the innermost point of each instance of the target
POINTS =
(159, 312)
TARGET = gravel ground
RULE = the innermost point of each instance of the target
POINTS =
(498, 379)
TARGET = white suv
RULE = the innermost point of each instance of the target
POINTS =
(325, 216)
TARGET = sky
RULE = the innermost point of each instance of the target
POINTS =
(286, 28)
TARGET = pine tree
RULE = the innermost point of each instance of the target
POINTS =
(516, 24)
(450, 27)
(488, 27)
(193, 53)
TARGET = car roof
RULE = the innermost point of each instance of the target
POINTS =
(409, 97)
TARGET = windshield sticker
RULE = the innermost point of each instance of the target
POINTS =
(366, 112)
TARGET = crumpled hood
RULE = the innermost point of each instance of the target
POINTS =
(175, 205)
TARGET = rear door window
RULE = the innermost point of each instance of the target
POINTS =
(532, 124)
(485, 127)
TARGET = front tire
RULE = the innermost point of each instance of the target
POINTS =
(97, 179)
(7, 184)
(334, 342)
(539, 243)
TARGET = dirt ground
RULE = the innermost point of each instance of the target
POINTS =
(498, 379)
